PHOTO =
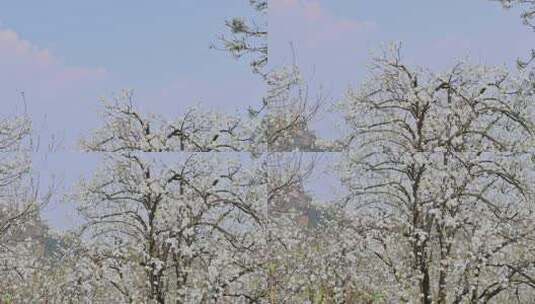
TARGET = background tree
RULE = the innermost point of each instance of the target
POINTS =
(527, 17)
(249, 38)
(126, 128)
(529, 11)
(22, 232)
(289, 113)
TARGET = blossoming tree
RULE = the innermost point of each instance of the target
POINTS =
(440, 170)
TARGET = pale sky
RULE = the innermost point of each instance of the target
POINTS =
(65, 55)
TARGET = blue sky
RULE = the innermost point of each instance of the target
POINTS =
(334, 40)
(65, 55)
(337, 36)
